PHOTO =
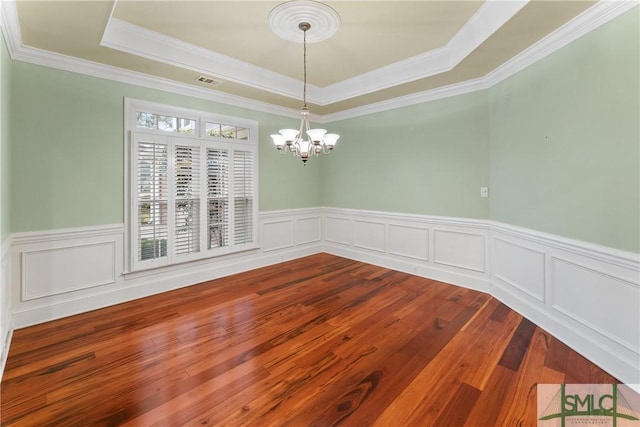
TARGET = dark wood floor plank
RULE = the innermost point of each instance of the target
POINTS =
(557, 356)
(320, 340)
(497, 391)
(520, 408)
(459, 407)
(515, 351)
(500, 313)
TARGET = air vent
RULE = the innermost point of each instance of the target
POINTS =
(209, 81)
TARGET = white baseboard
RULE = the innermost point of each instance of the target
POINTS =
(586, 295)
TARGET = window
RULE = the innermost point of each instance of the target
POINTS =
(192, 184)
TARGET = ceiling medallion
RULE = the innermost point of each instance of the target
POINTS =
(322, 19)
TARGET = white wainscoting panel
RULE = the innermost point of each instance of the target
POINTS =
(338, 230)
(411, 241)
(369, 235)
(6, 326)
(308, 230)
(60, 269)
(57, 273)
(586, 295)
(290, 229)
(404, 242)
(519, 266)
(607, 304)
(277, 235)
(459, 249)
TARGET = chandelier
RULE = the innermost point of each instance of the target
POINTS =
(305, 142)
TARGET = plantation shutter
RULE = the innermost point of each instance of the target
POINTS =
(152, 194)
(217, 198)
(187, 199)
(192, 185)
(243, 196)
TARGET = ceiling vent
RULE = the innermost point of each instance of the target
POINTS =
(209, 81)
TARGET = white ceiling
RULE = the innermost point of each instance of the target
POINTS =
(384, 54)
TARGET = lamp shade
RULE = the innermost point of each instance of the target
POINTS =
(315, 135)
(278, 140)
(330, 140)
(289, 135)
(304, 147)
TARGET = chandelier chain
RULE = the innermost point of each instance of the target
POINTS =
(304, 38)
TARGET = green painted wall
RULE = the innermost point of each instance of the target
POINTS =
(67, 159)
(565, 140)
(5, 96)
(557, 143)
(430, 159)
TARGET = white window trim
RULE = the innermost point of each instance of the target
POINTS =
(132, 105)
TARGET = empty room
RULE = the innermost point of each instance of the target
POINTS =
(310, 213)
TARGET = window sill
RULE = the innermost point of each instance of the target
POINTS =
(188, 266)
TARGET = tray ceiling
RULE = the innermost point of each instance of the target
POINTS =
(382, 49)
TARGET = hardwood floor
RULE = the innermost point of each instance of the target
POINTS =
(318, 341)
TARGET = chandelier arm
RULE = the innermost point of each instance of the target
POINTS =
(301, 129)
(306, 127)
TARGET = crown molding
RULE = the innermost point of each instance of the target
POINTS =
(492, 15)
(138, 41)
(592, 18)
(408, 100)
(10, 26)
(107, 72)
(599, 14)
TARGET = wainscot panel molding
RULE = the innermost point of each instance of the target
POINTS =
(460, 249)
(58, 273)
(6, 326)
(453, 250)
(290, 229)
(584, 294)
